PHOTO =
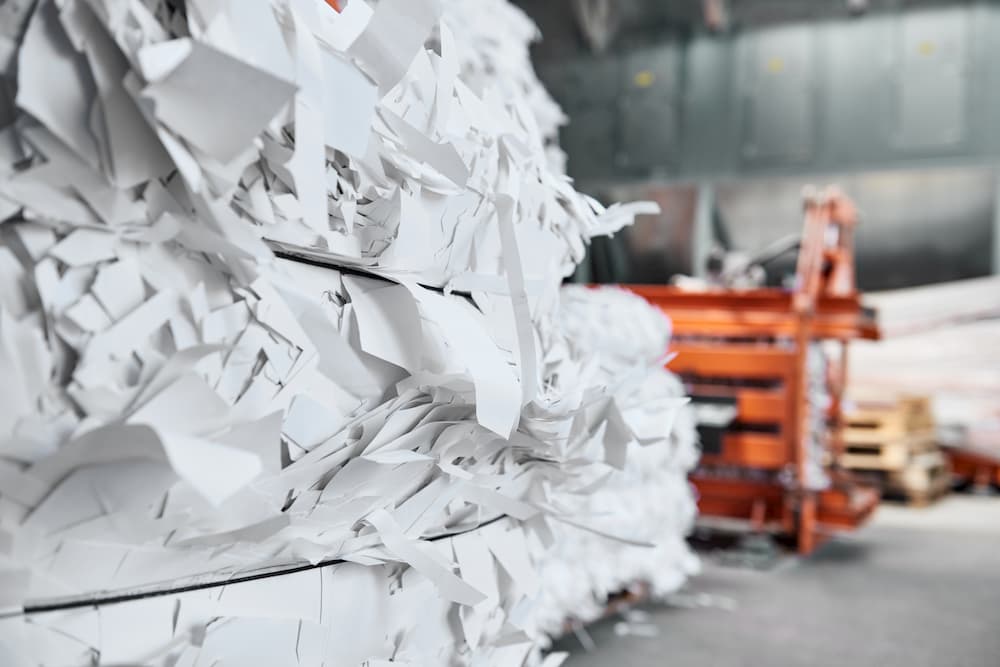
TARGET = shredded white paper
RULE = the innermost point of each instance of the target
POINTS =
(215, 452)
(647, 499)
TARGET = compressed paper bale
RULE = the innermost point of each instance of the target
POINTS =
(649, 500)
(186, 408)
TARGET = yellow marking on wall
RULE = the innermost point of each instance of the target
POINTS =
(644, 79)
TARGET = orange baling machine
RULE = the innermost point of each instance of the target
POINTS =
(747, 350)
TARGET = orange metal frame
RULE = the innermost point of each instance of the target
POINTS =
(978, 468)
(752, 346)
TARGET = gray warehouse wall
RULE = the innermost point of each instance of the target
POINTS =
(915, 87)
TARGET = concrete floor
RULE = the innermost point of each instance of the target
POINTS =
(915, 588)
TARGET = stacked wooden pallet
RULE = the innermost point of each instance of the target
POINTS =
(894, 440)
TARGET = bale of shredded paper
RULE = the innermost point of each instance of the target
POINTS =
(647, 501)
(340, 463)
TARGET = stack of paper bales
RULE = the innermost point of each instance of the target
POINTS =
(286, 380)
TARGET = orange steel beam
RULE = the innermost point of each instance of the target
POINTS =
(761, 451)
(767, 504)
(736, 498)
(742, 361)
(768, 312)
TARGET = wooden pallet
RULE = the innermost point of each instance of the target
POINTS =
(886, 434)
(887, 420)
(890, 454)
(925, 478)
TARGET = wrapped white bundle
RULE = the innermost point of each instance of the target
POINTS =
(642, 498)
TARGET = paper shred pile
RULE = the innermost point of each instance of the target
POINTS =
(648, 500)
(214, 450)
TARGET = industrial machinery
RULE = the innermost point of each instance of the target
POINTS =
(745, 358)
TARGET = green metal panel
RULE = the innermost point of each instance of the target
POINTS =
(591, 142)
(777, 88)
(708, 112)
(652, 72)
(856, 95)
(649, 129)
(649, 117)
(931, 107)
